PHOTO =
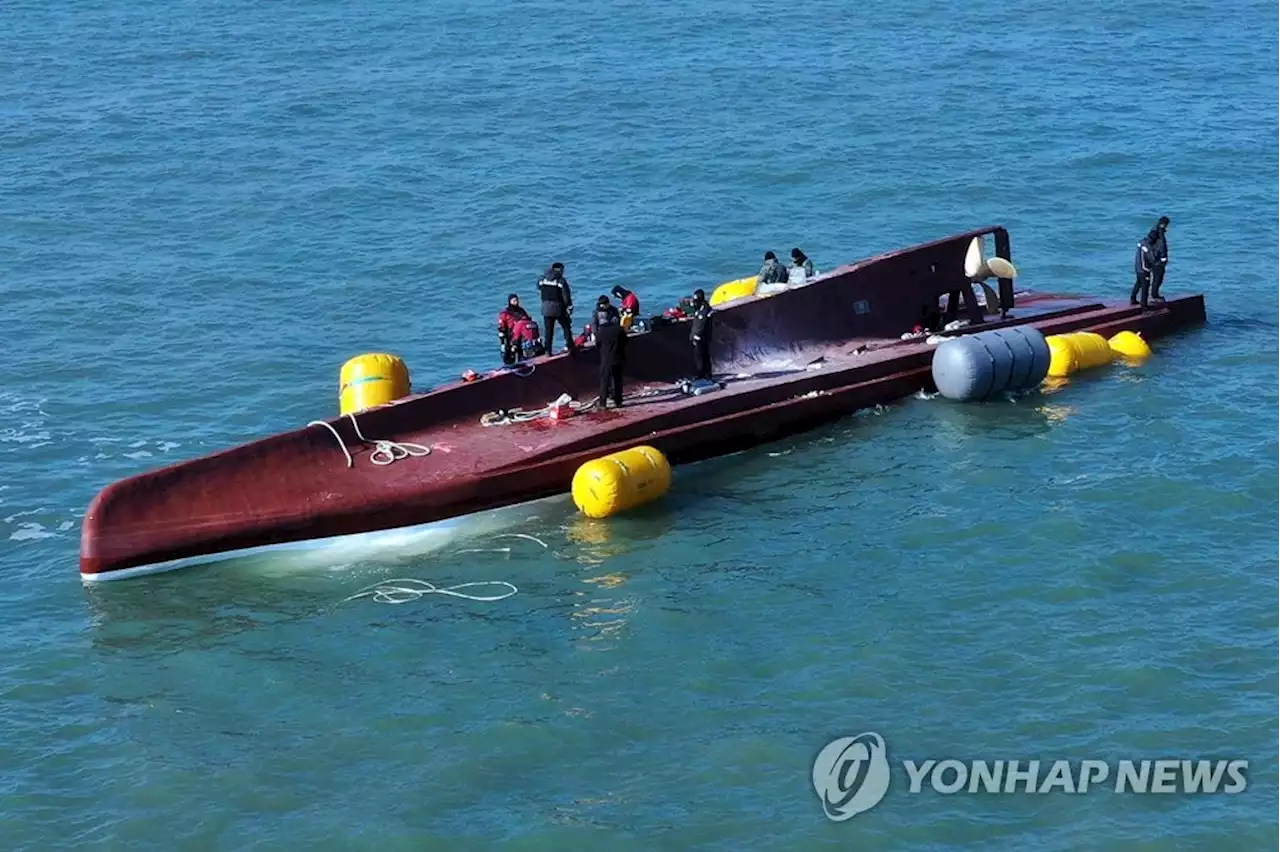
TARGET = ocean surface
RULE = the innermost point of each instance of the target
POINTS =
(205, 208)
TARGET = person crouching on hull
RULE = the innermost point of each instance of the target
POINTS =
(511, 315)
(611, 342)
(700, 335)
(527, 340)
(630, 304)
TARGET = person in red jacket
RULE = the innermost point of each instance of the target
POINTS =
(527, 339)
(511, 315)
(630, 305)
(586, 338)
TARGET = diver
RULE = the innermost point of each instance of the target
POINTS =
(611, 342)
(557, 306)
(700, 335)
(801, 267)
(1143, 267)
(1159, 256)
(507, 320)
(772, 272)
(630, 303)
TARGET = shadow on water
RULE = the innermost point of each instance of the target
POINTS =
(547, 555)
(594, 540)
(1016, 417)
(203, 602)
(1243, 322)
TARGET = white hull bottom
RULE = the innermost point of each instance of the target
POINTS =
(320, 552)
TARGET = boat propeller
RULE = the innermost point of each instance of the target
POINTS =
(979, 268)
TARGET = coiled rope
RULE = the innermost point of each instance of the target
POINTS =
(405, 589)
(384, 452)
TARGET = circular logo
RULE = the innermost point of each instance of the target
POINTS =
(851, 775)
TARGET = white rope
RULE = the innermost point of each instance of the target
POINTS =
(524, 536)
(384, 452)
(390, 450)
(341, 445)
(406, 589)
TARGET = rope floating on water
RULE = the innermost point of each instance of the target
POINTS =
(405, 589)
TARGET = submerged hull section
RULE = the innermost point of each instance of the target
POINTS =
(790, 362)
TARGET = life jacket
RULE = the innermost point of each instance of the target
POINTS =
(553, 291)
(606, 316)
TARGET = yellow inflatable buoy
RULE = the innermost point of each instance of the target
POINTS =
(621, 481)
(1091, 349)
(1129, 344)
(370, 380)
(731, 290)
(1063, 360)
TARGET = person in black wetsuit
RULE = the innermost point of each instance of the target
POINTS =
(611, 342)
(1159, 256)
(557, 306)
(1142, 271)
(700, 335)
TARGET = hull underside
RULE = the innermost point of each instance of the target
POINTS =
(298, 488)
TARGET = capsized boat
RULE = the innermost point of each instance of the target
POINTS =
(787, 362)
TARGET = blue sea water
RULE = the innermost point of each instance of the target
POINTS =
(206, 207)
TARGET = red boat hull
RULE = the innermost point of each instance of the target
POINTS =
(297, 486)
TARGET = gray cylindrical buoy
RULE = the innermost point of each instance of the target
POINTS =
(978, 366)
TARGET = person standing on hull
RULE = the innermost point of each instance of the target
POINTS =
(557, 306)
(700, 335)
(611, 343)
(1143, 266)
(1159, 256)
